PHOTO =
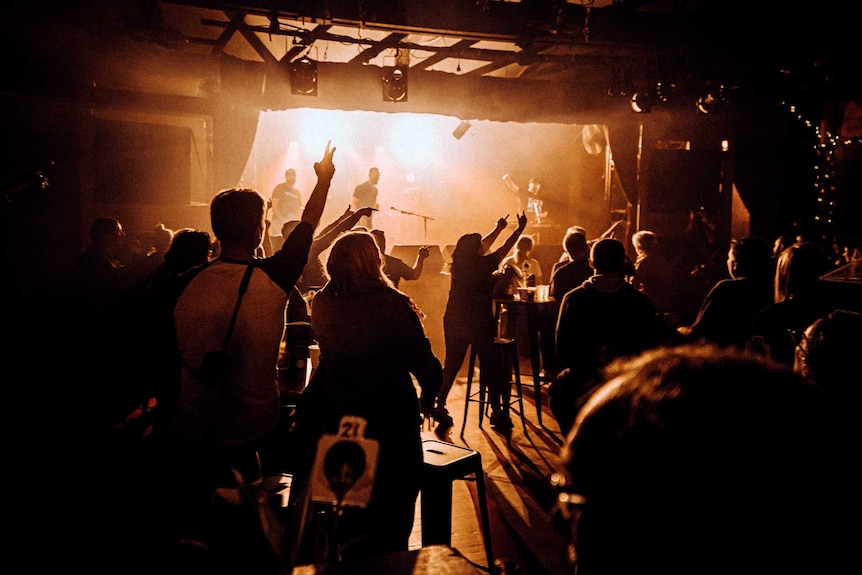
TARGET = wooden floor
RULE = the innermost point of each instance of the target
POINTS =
(517, 477)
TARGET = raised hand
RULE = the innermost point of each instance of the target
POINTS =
(522, 220)
(366, 211)
(502, 223)
(424, 252)
(325, 168)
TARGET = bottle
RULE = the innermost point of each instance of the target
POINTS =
(526, 274)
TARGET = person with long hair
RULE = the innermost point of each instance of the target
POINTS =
(371, 341)
(469, 317)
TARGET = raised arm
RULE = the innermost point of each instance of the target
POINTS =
(266, 244)
(347, 213)
(423, 254)
(489, 240)
(510, 241)
(341, 225)
(510, 183)
(324, 169)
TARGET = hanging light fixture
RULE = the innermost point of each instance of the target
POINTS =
(303, 77)
(715, 98)
(394, 84)
(641, 102)
(461, 129)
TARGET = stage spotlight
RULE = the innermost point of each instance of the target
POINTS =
(706, 104)
(303, 77)
(461, 129)
(394, 84)
(641, 102)
(715, 99)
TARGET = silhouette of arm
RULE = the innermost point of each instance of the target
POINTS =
(324, 169)
(510, 183)
(510, 241)
(489, 240)
(347, 213)
(266, 244)
(341, 225)
(416, 270)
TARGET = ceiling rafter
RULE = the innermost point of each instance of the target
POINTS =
(391, 41)
(463, 49)
(587, 41)
(439, 55)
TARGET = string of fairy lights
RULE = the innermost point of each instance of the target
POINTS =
(825, 167)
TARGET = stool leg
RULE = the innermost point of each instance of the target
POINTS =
(436, 508)
(483, 510)
(471, 367)
(516, 370)
(482, 392)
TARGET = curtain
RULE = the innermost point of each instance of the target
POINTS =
(235, 120)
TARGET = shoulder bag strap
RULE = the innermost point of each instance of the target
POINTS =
(242, 287)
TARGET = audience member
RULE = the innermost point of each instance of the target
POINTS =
(575, 269)
(783, 240)
(524, 264)
(797, 302)
(699, 265)
(523, 270)
(828, 355)
(564, 257)
(153, 339)
(572, 270)
(602, 319)
(653, 272)
(100, 313)
(162, 239)
(700, 459)
(469, 321)
(726, 314)
(366, 374)
(189, 248)
(232, 420)
(107, 270)
(397, 269)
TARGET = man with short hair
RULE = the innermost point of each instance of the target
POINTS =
(602, 319)
(365, 196)
(226, 424)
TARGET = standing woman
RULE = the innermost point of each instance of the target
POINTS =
(469, 317)
(371, 340)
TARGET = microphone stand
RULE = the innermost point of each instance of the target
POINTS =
(424, 219)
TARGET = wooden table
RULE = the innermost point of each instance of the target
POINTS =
(532, 309)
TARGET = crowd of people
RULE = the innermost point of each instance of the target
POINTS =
(673, 447)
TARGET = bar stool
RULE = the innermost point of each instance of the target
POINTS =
(505, 350)
(444, 463)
